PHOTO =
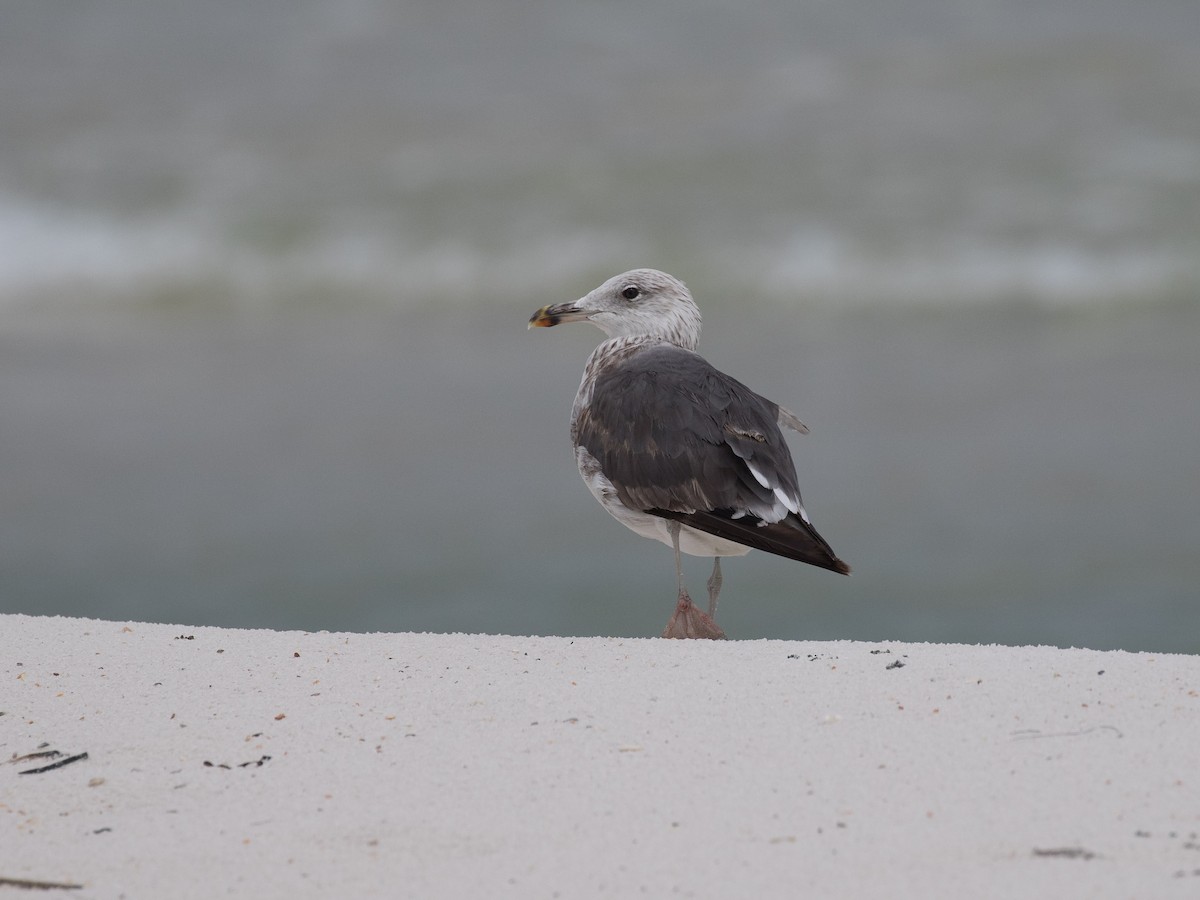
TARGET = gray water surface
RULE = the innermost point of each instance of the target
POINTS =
(1015, 478)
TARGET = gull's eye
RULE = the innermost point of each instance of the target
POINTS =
(631, 292)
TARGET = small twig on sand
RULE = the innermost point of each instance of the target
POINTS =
(55, 765)
(39, 885)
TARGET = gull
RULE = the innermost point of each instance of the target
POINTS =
(677, 450)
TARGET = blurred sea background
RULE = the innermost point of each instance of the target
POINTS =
(265, 271)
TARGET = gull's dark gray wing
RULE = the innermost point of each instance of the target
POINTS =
(680, 439)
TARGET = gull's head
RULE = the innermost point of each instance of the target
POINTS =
(642, 303)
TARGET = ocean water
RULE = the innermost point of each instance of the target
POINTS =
(267, 267)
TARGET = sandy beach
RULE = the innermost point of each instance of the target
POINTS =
(149, 760)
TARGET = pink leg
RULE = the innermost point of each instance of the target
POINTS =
(687, 621)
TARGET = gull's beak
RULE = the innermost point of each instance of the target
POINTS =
(549, 316)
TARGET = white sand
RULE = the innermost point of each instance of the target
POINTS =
(424, 765)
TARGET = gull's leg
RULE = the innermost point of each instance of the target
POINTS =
(687, 621)
(714, 587)
(673, 527)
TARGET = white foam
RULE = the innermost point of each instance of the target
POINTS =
(108, 258)
(817, 264)
(104, 258)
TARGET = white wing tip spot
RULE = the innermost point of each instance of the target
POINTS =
(759, 477)
(790, 502)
